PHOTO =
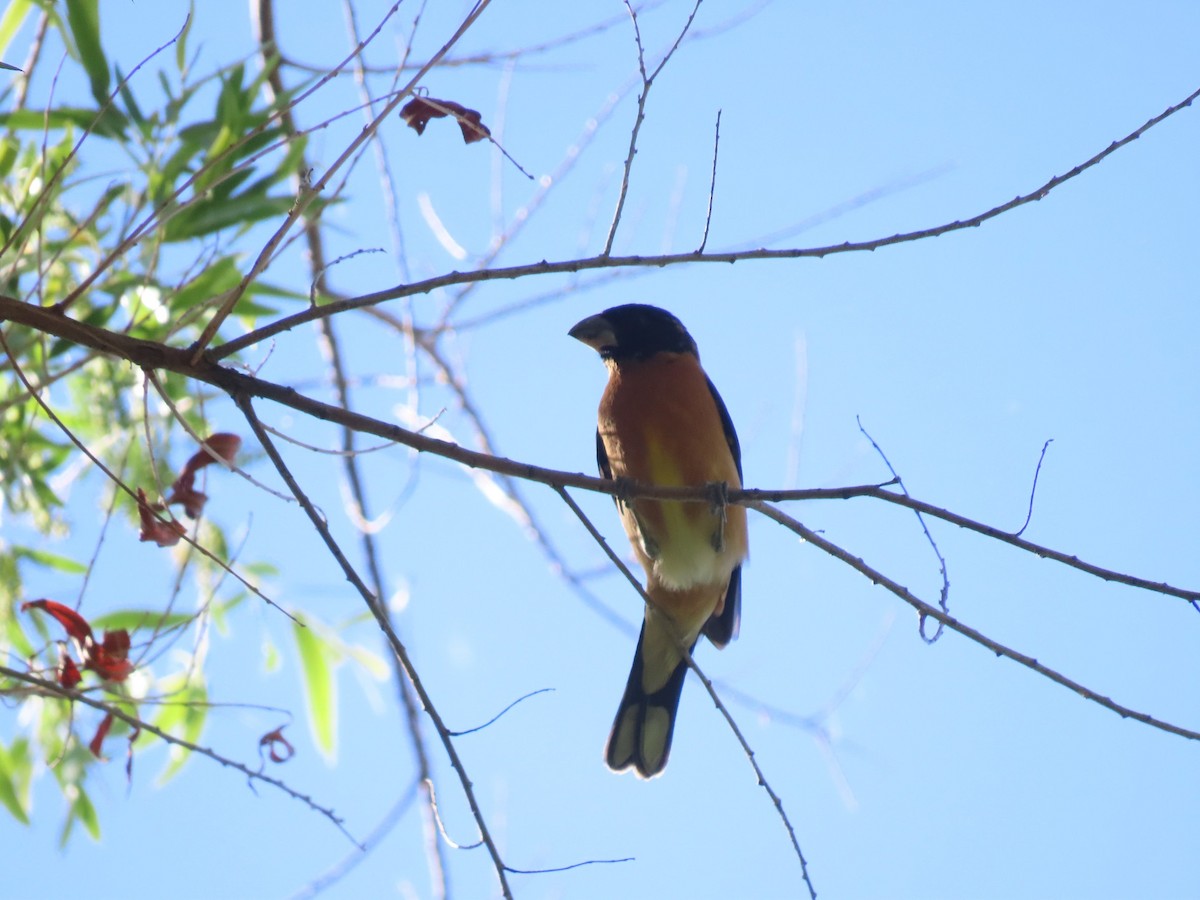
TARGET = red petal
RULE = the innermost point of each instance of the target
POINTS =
(193, 501)
(165, 534)
(75, 624)
(225, 446)
(101, 734)
(68, 674)
(109, 659)
(116, 643)
(110, 668)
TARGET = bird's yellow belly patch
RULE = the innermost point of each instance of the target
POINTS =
(685, 534)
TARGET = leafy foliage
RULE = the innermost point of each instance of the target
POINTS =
(202, 159)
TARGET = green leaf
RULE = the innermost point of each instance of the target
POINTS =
(183, 716)
(372, 662)
(108, 125)
(9, 150)
(131, 105)
(208, 216)
(14, 17)
(84, 18)
(134, 619)
(50, 560)
(15, 775)
(319, 660)
(222, 275)
(83, 811)
(271, 660)
(181, 44)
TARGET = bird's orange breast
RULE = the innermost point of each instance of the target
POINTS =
(660, 425)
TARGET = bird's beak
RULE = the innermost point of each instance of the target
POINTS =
(596, 332)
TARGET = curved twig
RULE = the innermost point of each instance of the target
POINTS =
(929, 611)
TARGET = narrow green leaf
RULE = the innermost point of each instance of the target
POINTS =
(184, 719)
(208, 216)
(83, 810)
(14, 17)
(108, 125)
(181, 44)
(131, 619)
(83, 16)
(10, 777)
(131, 104)
(372, 662)
(50, 560)
(320, 689)
(222, 275)
(271, 660)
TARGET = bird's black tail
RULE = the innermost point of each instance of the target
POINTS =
(645, 722)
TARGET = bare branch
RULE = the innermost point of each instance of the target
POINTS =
(686, 654)
(150, 354)
(306, 196)
(375, 605)
(929, 611)
(115, 710)
(647, 83)
(605, 261)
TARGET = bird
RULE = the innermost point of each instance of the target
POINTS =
(661, 422)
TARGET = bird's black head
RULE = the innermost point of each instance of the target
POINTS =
(633, 331)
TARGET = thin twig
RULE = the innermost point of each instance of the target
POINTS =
(712, 186)
(647, 83)
(309, 194)
(350, 861)
(932, 612)
(150, 354)
(376, 607)
(108, 473)
(606, 261)
(681, 647)
(1033, 490)
(264, 16)
(944, 596)
(500, 715)
(117, 711)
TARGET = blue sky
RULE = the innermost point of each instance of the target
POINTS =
(937, 771)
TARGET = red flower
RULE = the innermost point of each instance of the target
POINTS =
(101, 734)
(108, 658)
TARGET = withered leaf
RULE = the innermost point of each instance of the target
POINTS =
(418, 111)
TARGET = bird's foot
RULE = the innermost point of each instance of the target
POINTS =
(718, 502)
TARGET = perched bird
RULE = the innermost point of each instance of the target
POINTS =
(663, 423)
